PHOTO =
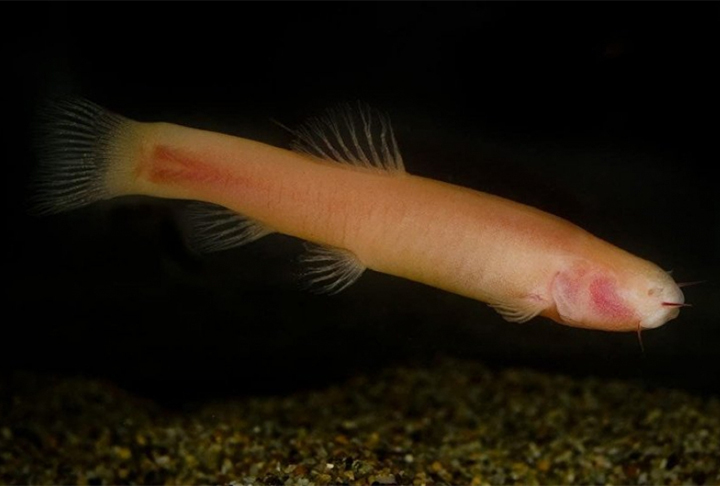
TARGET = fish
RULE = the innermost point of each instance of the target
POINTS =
(344, 189)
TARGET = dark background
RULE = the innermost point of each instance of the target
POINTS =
(603, 113)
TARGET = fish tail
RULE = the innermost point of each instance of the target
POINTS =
(81, 149)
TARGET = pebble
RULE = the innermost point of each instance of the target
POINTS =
(457, 423)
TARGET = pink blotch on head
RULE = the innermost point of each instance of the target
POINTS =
(607, 301)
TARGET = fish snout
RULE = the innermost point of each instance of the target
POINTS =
(666, 308)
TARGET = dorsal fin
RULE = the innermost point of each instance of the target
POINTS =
(361, 137)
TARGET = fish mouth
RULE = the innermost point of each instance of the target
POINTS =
(675, 304)
(666, 312)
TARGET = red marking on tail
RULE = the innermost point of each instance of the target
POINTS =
(169, 165)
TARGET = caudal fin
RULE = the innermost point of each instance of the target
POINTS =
(79, 145)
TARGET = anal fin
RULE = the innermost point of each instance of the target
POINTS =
(216, 228)
(330, 270)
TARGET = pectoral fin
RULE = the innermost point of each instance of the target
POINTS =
(521, 310)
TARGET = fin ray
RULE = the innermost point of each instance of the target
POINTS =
(330, 270)
(515, 312)
(361, 137)
(77, 145)
(216, 228)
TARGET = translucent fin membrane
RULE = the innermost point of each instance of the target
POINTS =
(75, 145)
(216, 228)
(360, 136)
(515, 313)
(330, 270)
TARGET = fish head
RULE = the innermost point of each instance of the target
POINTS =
(615, 298)
(656, 297)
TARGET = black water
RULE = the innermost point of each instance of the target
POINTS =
(601, 113)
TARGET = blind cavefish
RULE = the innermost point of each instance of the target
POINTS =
(344, 189)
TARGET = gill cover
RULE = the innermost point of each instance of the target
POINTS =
(588, 297)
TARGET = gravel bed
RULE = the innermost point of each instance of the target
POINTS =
(455, 423)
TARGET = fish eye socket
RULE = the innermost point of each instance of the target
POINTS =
(654, 291)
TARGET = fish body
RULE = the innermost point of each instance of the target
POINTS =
(344, 188)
